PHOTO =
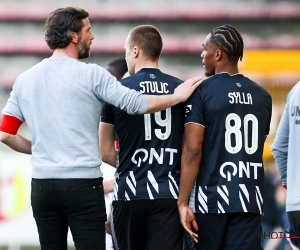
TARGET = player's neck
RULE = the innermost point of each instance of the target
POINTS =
(230, 69)
(146, 64)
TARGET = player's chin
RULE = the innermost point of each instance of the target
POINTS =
(207, 74)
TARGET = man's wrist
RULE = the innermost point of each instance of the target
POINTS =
(177, 98)
(181, 203)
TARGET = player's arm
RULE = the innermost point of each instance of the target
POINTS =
(280, 146)
(157, 103)
(133, 102)
(108, 186)
(107, 143)
(190, 161)
(8, 135)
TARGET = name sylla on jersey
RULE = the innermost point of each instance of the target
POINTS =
(154, 87)
(240, 98)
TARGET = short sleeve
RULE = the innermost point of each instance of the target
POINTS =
(194, 111)
(107, 114)
(12, 107)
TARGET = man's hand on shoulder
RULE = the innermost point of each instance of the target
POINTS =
(186, 89)
(181, 94)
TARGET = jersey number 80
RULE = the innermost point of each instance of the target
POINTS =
(235, 130)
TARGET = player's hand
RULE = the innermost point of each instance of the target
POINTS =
(185, 90)
(188, 221)
(108, 186)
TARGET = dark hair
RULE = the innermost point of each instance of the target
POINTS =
(120, 65)
(59, 25)
(148, 38)
(229, 40)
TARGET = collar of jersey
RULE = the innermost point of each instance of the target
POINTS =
(147, 69)
(228, 73)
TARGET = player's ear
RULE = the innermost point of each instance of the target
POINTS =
(218, 55)
(136, 51)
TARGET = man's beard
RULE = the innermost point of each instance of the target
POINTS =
(83, 50)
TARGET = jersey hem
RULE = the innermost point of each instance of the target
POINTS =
(147, 198)
(229, 212)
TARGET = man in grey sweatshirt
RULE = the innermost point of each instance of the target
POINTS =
(286, 150)
(61, 99)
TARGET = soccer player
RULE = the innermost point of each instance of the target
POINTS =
(285, 149)
(144, 211)
(61, 100)
(118, 68)
(227, 121)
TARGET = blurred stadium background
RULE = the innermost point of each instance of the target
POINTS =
(271, 32)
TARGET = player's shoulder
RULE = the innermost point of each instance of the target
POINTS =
(172, 78)
(258, 88)
(209, 83)
(221, 78)
(210, 79)
(158, 75)
(127, 81)
(149, 74)
(253, 83)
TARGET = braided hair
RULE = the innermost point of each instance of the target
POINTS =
(229, 40)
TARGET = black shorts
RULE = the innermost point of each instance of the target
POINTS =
(294, 220)
(231, 231)
(146, 224)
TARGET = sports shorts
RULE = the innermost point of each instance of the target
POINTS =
(229, 231)
(146, 224)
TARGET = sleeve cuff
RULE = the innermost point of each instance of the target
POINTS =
(144, 106)
(10, 124)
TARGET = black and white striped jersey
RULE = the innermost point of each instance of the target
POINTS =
(150, 145)
(236, 114)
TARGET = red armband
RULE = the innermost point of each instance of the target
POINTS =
(10, 124)
(285, 186)
(116, 145)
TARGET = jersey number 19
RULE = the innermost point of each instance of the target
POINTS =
(166, 123)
